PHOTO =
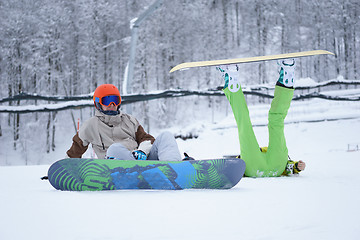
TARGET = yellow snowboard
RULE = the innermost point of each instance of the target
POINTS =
(187, 65)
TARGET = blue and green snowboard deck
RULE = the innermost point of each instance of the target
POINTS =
(79, 174)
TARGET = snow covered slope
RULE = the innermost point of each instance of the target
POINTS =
(321, 203)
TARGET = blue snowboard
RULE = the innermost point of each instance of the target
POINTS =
(77, 174)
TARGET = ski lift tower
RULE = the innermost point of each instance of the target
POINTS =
(134, 26)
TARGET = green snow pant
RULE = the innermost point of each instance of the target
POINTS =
(272, 162)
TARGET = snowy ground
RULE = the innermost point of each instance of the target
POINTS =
(321, 203)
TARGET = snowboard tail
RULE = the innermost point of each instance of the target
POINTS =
(187, 65)
(106, 174)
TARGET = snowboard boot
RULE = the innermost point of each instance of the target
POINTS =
(231, 77)
(286, 69)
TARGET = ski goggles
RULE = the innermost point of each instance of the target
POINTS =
(108, 100)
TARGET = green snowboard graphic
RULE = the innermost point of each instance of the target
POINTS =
(74, 174)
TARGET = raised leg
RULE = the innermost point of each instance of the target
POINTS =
(249, 147)
(118, 151)
(277, 153)
(165, 148)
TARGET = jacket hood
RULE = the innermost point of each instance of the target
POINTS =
(110, 120)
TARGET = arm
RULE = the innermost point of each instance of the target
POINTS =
(293, 167)
(77, 148)
(144, 140)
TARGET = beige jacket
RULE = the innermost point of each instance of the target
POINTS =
(103, 130)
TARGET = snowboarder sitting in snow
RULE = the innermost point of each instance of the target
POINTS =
(273, 160)
(116, 135)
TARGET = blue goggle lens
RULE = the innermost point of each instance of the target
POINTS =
(107, 100)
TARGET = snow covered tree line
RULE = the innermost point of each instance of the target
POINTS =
(60, 47)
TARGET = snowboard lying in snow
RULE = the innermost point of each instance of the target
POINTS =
(78, 174)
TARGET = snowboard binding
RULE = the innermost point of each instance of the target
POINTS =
(286, 69)
(231, 77)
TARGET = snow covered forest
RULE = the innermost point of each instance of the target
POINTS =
(68, 48)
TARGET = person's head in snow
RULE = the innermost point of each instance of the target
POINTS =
(107, 99)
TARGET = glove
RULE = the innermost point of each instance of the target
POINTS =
(139, 155)
(289, 168)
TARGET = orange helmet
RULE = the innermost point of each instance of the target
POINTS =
(106, 94)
